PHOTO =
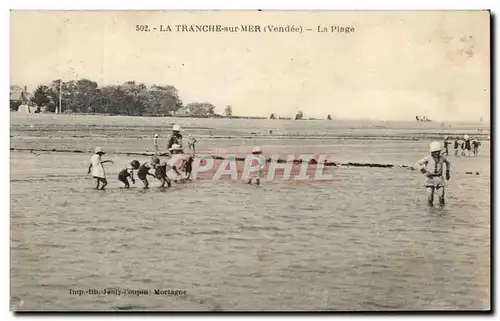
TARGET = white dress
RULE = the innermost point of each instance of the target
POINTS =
(97, 168)
(259, 173)
(176, 160)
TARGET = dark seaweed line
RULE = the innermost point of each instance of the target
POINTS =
(241, 159)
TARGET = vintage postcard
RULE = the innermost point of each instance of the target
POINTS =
(250, 160)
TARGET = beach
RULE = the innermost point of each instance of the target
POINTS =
(364, 241)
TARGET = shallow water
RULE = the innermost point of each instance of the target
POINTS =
(364, 241)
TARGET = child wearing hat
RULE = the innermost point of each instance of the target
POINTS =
(256, 151)
(432, 167)
(175, 138)
(128, 172)
(97, 168)
(143, 171)
(176, 164)
(192, 143)
(155, 141)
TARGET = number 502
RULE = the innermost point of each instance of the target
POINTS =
(141, 28)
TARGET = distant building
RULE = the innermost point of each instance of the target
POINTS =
(183, 111)
(20, 95)
(20, 100)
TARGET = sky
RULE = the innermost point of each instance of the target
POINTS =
(394, 66)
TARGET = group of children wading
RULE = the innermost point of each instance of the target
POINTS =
(177, 168)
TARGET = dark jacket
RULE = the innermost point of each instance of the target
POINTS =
(467, 144)
(174, 139)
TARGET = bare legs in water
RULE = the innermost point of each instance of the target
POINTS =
(104, 183)
(430, 195)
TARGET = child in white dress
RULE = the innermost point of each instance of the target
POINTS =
(97, 168)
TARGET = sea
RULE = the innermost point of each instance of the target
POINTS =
(364, 241)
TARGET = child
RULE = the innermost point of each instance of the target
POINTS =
(128, 172)
(176, 137)
(177, 164)
(143, 171)
(97, 168)
(161, 174)
(192, 144)
(188, 167)
(256, 175)
(155, 140)
(432, 167)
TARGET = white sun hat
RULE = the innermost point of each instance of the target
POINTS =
(99, 150)
(466, 137)
(176, 128)
(256, 150)
(156, 135)
(175, 147)
(435, 147)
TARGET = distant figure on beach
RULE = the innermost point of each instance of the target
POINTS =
(475, 144)
(432, 167)
(127, 172)
(456, 145)
(446, 143)
(176, 137)
(466, 146)
(256, 175)
(143, 171)
(155, 141)
(192, 143)
(97, 168)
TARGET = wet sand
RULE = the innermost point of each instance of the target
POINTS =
(365, 241)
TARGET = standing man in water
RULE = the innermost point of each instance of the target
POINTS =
(432, 167)
(175, 138)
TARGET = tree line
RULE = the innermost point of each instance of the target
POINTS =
(129, 98)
